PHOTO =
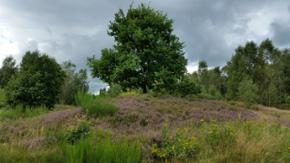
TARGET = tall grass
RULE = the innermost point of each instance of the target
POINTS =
(18, 111)
(95, 106)
(102, 150)
(244, 142)
(226, 142)
(2, 98)
(13, 154)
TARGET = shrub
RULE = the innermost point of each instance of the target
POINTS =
(114, 90)
(180, 146)
(77, 133)
(129, 93)
(95, 106)
(287, 100)
(220, 137)
(188, 87)
(93, 149)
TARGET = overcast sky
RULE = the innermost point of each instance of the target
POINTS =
(76, 29)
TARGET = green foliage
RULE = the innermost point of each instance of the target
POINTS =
(243, 142)
(74, 82)
(248, 91)
(287, 100)
(211, 81)
(12, 154)
(2, 98)
(95, 106)
(77, 133)
(37, 83)
(146, 52)
(179, 146)
(7, 70)
(101, 150)
(187, 87)
(220, 137)
(266, 66)
(19, 111)
(115, 90)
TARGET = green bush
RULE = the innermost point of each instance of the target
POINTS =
(115, 90)
(287, 100)
(179, 146)
(77, 133)
(187, 87)
(220, 137)
(95, 106)
(102, 150)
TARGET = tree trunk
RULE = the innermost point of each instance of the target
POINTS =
(144, 88)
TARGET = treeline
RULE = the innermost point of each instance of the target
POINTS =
(40, 81)
(255, 74)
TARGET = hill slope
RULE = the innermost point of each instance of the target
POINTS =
(260, 134)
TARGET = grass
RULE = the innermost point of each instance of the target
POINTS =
(95, 106)
(12, 154)
(2, 98)
(238, 141)
(8, 113)
(102, 151)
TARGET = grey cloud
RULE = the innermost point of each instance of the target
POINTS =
(281, 33)
(74, 29)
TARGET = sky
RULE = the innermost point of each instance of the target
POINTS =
(77, 29)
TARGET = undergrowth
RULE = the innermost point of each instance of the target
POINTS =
(95, 106)
(8, 113)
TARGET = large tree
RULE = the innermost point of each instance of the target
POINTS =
(146, 53)
(37, 83)
(7, 70)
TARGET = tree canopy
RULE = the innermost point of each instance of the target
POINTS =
(146, 53)
(37, 83)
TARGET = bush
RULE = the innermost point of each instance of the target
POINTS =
(95, 106)
(114, 90)
(187, 87)
(92, 149)
(220, 137)
(77, 133)
(129, 93)
(287, 100)
(180, 146)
